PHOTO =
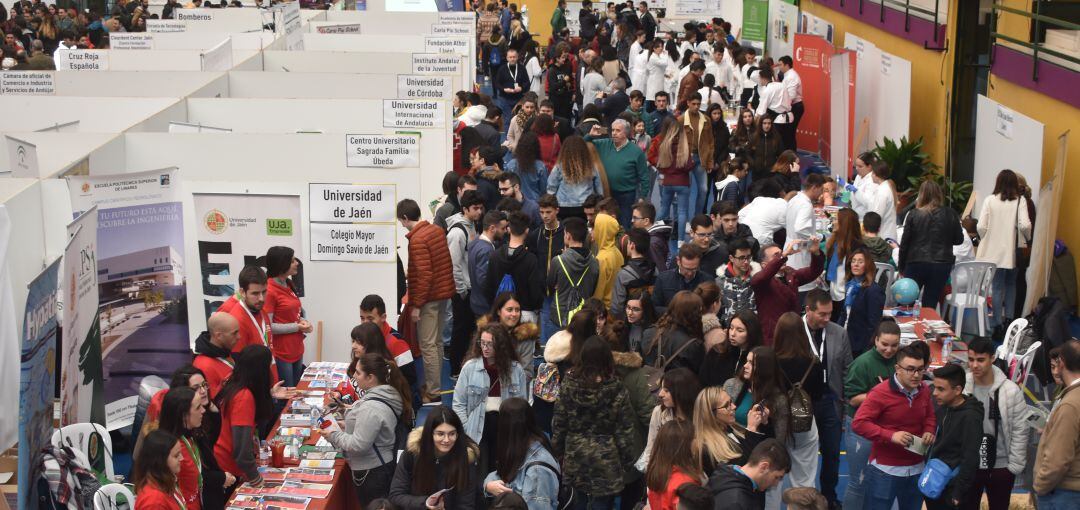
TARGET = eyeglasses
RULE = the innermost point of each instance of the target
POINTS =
(485, 345)
(635, 309)
(742, 258)
(912, 370)
(702, 235)
(636, 218)
(201, 386)
(725, 406)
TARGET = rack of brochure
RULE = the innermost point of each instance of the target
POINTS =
(310, 461)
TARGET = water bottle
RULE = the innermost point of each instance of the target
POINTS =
(264, 454)
(916, 312)
(315, 416)
(946, 348)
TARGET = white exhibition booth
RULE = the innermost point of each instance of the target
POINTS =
(331, 85)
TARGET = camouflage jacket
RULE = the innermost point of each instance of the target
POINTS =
(593, 430)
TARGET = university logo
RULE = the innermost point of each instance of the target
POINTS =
(215, 221)
(86, 187)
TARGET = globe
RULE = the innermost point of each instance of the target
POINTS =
(905, 291)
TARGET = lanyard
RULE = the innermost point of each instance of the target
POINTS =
(818, 352)
(179, 499)
(261, 328)
(227, 362)
(196, 457)
(513, 74)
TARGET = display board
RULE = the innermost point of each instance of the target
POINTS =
(883, 95)
(812, 58)
(81, 385)
(1004, 139)
(37, 370)
(783, 22)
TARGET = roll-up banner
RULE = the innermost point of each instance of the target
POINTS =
(81, 392)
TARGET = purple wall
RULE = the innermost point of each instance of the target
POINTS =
(1054, 81)
(918, 30)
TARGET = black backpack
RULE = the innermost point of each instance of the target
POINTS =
(401, 433)
(566, 492)
(1050, 322)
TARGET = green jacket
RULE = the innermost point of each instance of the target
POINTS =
(645, 117)
(558, 21)
(642, 401)
(593, 430)
(865, 372)
(626, 168)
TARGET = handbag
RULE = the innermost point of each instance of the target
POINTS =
(1022, 252)
(935, 477)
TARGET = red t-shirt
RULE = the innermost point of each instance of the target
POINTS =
(216, 371)
(398, 348)
(153, 409)
(238, 412)
(150, 497)
(668, 500)
(188, 479)
(249, 333)
(283, 304)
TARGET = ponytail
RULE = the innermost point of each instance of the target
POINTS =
(387, 372)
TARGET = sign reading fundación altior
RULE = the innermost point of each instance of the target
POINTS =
(352, 222)
(382, 151)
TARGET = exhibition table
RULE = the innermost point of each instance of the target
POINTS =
(924, 331)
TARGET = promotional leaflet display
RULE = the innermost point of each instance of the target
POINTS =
(27, 83)
(353, 222)
(81, 398)
(382, 151)
(398, 113)
(38, 370)
(141, 273)
(236, 229)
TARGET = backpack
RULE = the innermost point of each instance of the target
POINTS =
(566, 492)
(654, 375)
(639, 282)
(575, 299)
(546, 384)
(401, 433)
(802, 408)
(495, 57)
(506, 284)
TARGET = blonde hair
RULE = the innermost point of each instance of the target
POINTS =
(711, 436)
(576, 160)
(673, 134)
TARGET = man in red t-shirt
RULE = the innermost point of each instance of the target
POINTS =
(373, 309)
(246, 306)
(213, 349)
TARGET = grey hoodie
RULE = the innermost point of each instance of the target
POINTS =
(457, 238)
(369, 424)
(582, 267)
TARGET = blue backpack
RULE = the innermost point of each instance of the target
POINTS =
(495, 58)
(935, 477)
(506, 284)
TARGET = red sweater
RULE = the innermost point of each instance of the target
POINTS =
(150, 497)
(774, 296)
(284, 305)
(549, 150)
(886, 411)
(668, 500)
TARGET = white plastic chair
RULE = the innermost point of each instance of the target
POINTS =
(106, 497)
(888, 272)
(77, 436)
(971, 283)
(1008, 347)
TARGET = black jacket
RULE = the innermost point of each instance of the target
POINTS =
(648, 24)
(864, 317)
(670, 341)
(741, 232)
(588, 22)
(526, 271)
(203, 346)
(714, 257)
(733, 490)
(613, 105)
(930, 236)
(457, 498)
(717, 367)
(489, 132)
(505, 80)
(959, 432)
(669, 283)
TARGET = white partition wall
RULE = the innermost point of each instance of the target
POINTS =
(100, 115)
(23, 200)
(248, 84)
(57, 152)
(206, 40)
(1005, 139)
(222, 20)
(132, 83)
(337, 62)
(883, 94)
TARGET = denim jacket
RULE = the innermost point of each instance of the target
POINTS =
(573, 194)
(471, 392)
(537, 485)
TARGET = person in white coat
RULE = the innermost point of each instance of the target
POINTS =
(1003, 426)
(656, 65)
(861, 187)
(883, 200)
(799, 223)
(719, 66)
(767, 212)
(1004, 226)
(638, 65)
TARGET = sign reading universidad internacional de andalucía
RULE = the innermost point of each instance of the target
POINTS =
(402, 113)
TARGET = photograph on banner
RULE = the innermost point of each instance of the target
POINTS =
(82, 398)
(141, 273)
(234, 231)
(36, 376)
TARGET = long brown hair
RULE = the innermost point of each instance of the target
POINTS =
(870, 273)
(789, 338)
(1007, 185)
(505, 355)
(152, 462)
(847, 235)
(677, 157)
(456, 461)
(575, 160)
(784, 161)
(930, 196)
(672, 449)
(387, 372)
(683, 312)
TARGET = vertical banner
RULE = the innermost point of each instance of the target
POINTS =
(233, 232)
(36, 377)
(81, 398)
(841, 86)
(755, 20)
(783, 21)
(140, 268)
(811, 61)
(9, 341)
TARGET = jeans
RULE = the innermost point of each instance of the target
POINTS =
(997, 483)
(697, 188)
(681, 194)
(1003, 289)
(626, 200)
(507, 106)
(931, 276)
(289, 371)
(882, 489)
(584, 501)
(547, 326)
(827, 417)
(858, 455)
(432, 316)
(1060, 499)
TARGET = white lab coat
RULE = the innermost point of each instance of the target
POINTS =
(764, 216)
(864, 192)
(655, 67)
(536, 73)
(883, 202)
(724, 75)
(799, 222)
(639, 71)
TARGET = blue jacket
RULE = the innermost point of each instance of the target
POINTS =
(471, 393)
(538, 485)
(669, 283)
(573, 194)
(480, 253)
(864, 317)
(533, 184)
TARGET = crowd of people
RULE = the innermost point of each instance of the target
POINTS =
(638, 304)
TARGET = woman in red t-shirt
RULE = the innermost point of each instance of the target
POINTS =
(155, 470)
(282, 306)
(186, 376)
(201, 481)
(671, 464)
(245, 402)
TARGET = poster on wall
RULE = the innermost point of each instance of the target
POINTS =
(82, 397)
(810, 24)
(36, 373)
(234, 230)
(143, 310)
(783, 21)
(755, 20)
(811, 60)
